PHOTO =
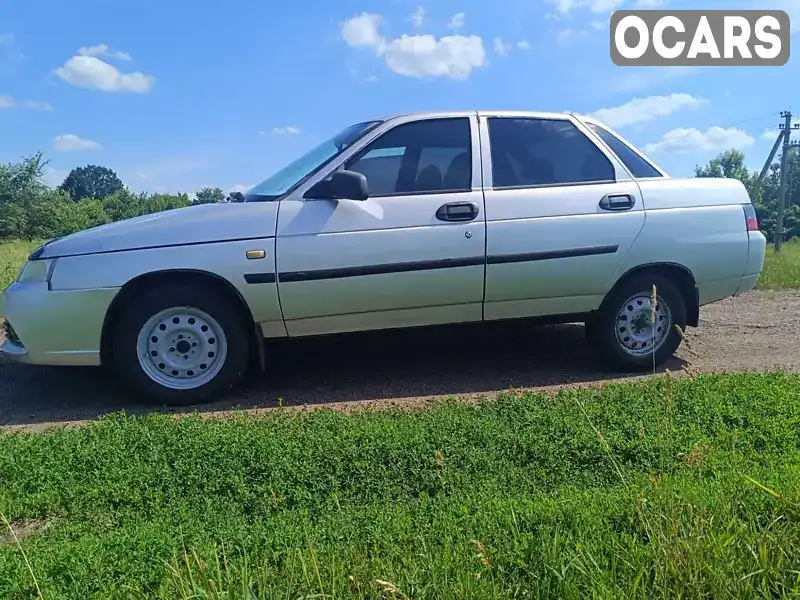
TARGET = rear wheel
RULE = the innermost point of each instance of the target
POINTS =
(632, 334)
(181, 344)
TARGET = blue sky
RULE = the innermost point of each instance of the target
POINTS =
(175, 95)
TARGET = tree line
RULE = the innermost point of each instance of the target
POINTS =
(88, 196)
(94, 195)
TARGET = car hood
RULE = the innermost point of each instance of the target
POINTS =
(204, 223)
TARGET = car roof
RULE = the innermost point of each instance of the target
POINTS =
(482, 113)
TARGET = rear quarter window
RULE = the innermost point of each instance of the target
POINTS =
(638, 166)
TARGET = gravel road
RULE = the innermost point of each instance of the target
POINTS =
(756, 331)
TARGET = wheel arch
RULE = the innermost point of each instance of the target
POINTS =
(680, 275)
(149, 280)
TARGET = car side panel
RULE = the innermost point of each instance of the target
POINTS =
(710, 241)
(254, 279)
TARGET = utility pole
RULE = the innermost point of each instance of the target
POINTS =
(787, 135)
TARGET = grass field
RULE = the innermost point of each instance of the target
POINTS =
(12, 258)
(780, 271)
(665, 489)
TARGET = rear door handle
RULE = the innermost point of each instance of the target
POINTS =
(457, 211)
(617, 202)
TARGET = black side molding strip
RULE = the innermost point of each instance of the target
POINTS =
(551, 254)
(259, 277)
(404, 267)
(424, 265)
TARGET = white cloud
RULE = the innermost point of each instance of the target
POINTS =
(651, 3)
(7, 101)
(524, 45)
(770, 134)
(453, 56)
(362, 31)
(417, 18)
(598, 24)
(287, 130)
(692, 140)
(642, 110)
(457, 22)
(70, 141)
(92, 73)
(103, 50)
(501, 47)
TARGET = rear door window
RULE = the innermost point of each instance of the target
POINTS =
(535, 152)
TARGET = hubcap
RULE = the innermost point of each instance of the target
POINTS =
(641, 331)
(181, 348)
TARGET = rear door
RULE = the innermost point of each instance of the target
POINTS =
(412, 254)
(561, 214)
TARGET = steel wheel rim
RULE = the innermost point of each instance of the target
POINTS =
(181, 348)
(635, 333)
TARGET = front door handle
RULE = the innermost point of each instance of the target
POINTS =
(457, 211)
(617, 202)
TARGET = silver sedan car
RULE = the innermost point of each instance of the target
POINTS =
(413, 220)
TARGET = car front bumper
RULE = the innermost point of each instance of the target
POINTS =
(46, 327)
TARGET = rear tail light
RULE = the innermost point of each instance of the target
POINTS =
(750, 217)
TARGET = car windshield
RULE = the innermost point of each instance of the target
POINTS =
(289, 176)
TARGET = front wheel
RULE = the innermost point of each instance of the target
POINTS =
(630, 332)
(181, 344)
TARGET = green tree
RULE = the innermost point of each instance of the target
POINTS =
(21, 187)
(124, 204)
(160, 202)
(728, 164)
(91, 181)
(209, 195)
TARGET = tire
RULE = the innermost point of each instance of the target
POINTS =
(620, 330)
(181, 344)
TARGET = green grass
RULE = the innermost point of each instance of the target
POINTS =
(13, 255)
(661, 489)
(782, 270)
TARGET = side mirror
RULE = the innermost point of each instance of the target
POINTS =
(342, 185)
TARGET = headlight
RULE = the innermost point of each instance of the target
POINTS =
(36, 271)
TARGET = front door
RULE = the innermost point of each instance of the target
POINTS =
(412, 254)
(561, 214)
